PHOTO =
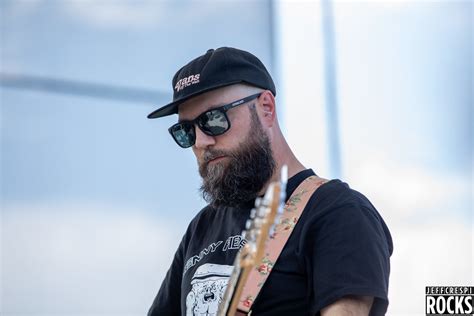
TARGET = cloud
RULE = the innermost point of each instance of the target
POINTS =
(83, 258)
(406, 191)
(18, 9)
(435, 254)
(115, 14)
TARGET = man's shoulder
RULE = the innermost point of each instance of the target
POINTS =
(198, 224)
(336, 204)
(336, 193)
(337, 200)
(204, 215)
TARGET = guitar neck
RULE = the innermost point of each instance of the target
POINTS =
(257, 229)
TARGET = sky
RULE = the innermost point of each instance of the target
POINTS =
(95, 197)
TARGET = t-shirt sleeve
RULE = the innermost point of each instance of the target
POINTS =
(168, 299)
(349, 254)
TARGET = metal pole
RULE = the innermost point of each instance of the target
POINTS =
(331, 90)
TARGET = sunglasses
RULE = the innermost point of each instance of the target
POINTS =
(213, 122)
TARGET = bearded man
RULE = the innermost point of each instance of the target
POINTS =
(337, 258)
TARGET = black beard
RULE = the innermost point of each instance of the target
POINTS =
(237, 181)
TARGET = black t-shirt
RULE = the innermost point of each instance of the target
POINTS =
(340, 246)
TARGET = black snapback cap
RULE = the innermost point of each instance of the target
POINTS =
(215, 69)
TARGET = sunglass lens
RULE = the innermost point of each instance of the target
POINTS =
(184, 134)
(214, 122)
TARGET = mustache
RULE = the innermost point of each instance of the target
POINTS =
(209, 155)
(213, 154)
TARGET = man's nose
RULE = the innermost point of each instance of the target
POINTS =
(203, 140)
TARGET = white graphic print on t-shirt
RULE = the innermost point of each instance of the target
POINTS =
(207, 289)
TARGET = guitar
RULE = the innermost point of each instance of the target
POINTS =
(258, 228)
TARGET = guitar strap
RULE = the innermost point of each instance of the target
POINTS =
(291, 213)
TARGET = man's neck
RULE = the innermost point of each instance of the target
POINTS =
(284, 156)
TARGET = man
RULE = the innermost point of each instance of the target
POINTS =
(336, 261)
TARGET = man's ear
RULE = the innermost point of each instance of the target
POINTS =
(267, 109)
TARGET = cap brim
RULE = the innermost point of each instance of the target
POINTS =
(172, 108)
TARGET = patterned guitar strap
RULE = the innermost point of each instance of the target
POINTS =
(291, 213)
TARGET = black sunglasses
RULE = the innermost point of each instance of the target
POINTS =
(213, 122)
